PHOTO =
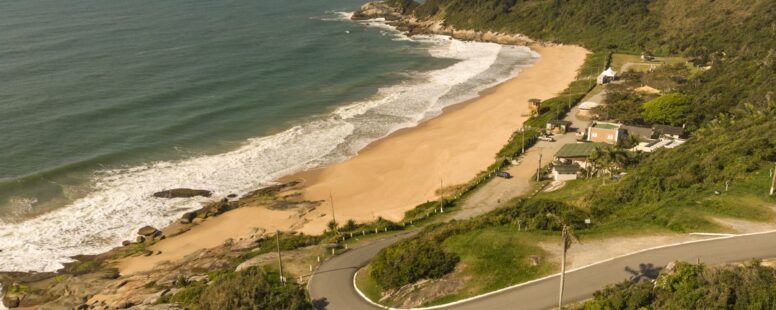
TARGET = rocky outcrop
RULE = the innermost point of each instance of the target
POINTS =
(411, 25)
(183, 193)
(375, 10)
(91, 282)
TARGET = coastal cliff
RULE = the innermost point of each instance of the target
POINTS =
(405, 21)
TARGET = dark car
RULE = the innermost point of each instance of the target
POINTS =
(503, 174)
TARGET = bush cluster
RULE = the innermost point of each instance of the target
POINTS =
(411, 260)
(252, 288)
(695, 287)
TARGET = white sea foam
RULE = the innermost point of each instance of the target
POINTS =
(122, 200)
(2, 306)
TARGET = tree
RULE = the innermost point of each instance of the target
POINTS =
(672, 109)
(567, 238)
(332, 226)
(609, 158)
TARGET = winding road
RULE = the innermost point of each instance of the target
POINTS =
(331, 287)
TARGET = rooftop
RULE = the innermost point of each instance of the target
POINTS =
(555, 122)
(606, 125)
(645, 132)
(577, 150)
(587, 105)
(668, 130)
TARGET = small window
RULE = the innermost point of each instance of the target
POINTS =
(595, 134)
(610, 137)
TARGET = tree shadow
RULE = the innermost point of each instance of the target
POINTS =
(645, 272)
(320, 304)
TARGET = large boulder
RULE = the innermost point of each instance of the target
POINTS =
(11, 301)
(147, 231)
(219, 207)
(183, 193)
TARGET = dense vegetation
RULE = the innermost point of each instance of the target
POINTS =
(735, 38)
(725, 100)
(253, 288)
(695, 287)
(409, 261)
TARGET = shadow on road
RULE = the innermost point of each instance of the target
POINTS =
(320, 304)
(645, 272)
(333, 270)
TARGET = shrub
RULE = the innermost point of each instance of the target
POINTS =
(672, 109)
(409, 261)
(695, 287)
(252, 288)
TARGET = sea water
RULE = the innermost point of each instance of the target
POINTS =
(103, 103)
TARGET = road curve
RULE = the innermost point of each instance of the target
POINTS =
(331, 287)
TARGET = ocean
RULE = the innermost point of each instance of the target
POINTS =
(103, 103)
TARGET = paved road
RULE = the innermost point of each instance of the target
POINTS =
(332, 286)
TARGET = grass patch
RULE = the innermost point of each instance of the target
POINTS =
(367, 285)
(494, 258)
(619, 60)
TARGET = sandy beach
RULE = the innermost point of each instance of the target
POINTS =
(394, 175)
(397, 173)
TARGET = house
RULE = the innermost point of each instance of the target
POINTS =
(575, 153)
(560, 127)
(652, 145)
(643, 133)
(565, 172)
(605, 77)
(585, 109)
(610, 133)
(666, 131)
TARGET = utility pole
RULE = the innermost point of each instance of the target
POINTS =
(523, 150)
(280, 258)
(331, 200)
(564, 238)
(441, 196)
(539, 170)
(773, 181)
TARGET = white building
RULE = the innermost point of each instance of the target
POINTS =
(606, 76)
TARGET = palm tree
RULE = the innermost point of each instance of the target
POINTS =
(567, 238)
(609, 158)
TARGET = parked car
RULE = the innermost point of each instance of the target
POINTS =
(504, 174)
(546, 138)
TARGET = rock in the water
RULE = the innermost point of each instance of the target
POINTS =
(378, 9)
(126, 242)
(183, 193)
(147, 231)
(231, 196)
(11, 301)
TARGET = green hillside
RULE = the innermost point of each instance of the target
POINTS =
(728, 107)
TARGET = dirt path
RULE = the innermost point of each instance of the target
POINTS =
(499, 191)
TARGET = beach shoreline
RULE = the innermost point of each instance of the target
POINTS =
(408, 165)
